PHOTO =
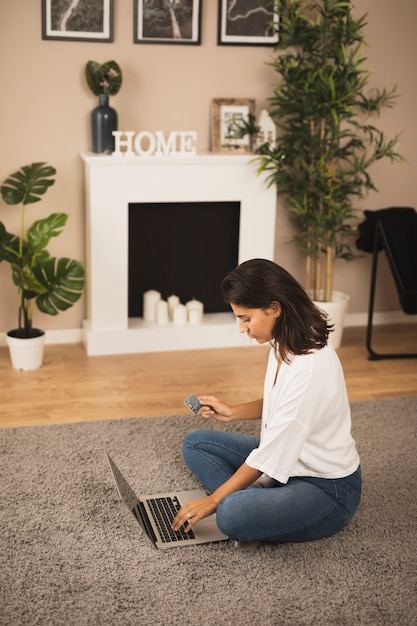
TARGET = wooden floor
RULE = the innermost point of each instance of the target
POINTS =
(71, 387)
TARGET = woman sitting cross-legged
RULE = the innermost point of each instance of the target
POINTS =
(300, 479)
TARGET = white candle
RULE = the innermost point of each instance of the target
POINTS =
(195, 310)
(172, 303)
(162, 312)
(195, 316)
(150, 300)
(195, 305)
(179, 316)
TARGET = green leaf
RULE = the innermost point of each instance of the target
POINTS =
(26, 281)
(91, 71)
(28, 184)
(9, 245)
(63, 282)
(41, 231)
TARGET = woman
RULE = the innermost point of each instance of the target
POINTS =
(300, 480)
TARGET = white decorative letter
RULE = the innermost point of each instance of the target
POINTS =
(119, 143)
(138, 141)
(165, 148)
(187, 139)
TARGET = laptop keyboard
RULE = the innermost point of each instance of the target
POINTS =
(164, 511)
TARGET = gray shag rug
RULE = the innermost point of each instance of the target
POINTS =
(72, 554)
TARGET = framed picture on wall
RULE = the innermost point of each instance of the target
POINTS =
(247, 23)
(226, 113)
(167, 22)
(78, 21)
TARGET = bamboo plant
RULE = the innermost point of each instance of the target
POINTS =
(327, 141)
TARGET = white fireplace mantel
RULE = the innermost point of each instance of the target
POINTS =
(114, 182)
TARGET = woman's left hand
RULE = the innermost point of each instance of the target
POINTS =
(194, 511)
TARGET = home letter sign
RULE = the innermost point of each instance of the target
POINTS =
(146, 143)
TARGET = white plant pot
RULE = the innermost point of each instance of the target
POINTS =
(336, 310)
(26, 353)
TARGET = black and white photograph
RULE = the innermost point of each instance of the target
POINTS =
(176, 22)
(247, 23)
(226, 116)
(78, 20)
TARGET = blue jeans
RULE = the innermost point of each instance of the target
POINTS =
(304, 509)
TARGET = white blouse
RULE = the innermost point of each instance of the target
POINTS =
(306, 421)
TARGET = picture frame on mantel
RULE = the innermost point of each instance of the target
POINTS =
(246, 23)
(92, 21)
(174, 24)
(226, 113)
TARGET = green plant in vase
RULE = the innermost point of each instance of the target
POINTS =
(52, 284)
(103, 80)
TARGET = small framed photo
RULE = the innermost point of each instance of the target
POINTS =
(167, 22)
(247, 23)
(226, 113)
(90, 20)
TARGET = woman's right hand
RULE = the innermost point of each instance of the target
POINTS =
(212, 407)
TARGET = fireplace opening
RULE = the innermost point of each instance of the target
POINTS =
(181, 248)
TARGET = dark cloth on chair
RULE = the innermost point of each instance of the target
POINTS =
(394, 230)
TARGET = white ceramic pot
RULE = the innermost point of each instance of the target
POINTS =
(26, 353)
(336, 310)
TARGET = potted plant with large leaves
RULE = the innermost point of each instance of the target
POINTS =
(51, 284)
(327, 140)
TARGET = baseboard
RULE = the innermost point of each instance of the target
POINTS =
(381, 318)
(75, 335)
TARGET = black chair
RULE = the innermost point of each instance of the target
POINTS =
(393, 230)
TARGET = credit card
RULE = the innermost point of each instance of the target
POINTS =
(193, 404)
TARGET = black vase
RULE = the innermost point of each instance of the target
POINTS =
(103, 123)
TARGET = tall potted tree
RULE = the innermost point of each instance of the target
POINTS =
(52, 284)
(326, 140)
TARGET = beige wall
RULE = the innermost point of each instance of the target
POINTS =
(45, 108)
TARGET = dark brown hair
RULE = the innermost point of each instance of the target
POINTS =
(301, 326)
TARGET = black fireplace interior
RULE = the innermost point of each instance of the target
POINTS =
(182, 248)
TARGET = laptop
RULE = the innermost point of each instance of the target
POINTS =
(155, 513)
